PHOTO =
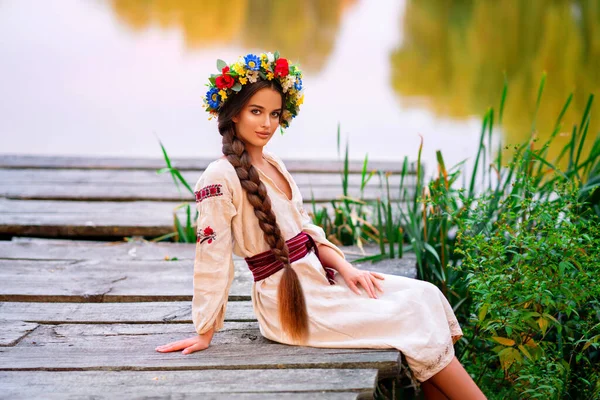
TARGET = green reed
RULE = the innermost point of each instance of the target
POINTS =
(427, 218)
(182, 232)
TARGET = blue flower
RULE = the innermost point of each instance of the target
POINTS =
(298, 84)
(213, 98)
(252, 62)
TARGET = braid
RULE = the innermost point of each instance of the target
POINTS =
(292, 305)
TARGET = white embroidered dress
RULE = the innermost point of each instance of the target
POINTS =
(411, 315)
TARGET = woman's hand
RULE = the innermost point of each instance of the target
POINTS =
(369, 280)
(190, 345)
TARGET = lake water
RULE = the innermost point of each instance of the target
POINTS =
(107, 78)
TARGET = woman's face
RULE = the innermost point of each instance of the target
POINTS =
(261, 114)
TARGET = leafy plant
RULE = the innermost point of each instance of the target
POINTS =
(533, 329)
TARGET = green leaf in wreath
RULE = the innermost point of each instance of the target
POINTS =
(221, 64)
(237, 87)
(276, 55)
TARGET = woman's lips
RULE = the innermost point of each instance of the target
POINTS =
(263, 135)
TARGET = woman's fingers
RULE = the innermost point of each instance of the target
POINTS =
(366, 283)
(377, 275)
(377, 283)
(352, 286)
(195, 347)
(174, 346)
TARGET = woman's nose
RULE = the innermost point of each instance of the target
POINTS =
(267, 122)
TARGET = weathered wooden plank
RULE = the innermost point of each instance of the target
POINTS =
(293, 165)
(64, 249)
(155, 312)
(141, 178)
(166, 191)
(162, 192)
(117, 281)
(54, 218)
(13, 331)
(131, 347)
(93, 219)
(207, 384)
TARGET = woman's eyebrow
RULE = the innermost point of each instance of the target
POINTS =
(262, 108)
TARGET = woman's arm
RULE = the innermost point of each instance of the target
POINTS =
(367, 279)
(332, 259)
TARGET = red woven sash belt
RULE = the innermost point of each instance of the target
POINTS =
(264, 264)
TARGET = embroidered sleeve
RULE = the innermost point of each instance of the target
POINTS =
(213, 263)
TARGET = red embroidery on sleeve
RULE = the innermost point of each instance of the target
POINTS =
(207, 234)
(208, 191)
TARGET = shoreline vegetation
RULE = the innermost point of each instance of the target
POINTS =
(515, 251)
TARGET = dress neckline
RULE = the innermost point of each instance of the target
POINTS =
(276, 165)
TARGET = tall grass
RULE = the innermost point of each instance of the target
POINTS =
(182, 232)
(429, 214)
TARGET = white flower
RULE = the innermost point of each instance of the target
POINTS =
(270, 57)
(252, 76)
(288, 82)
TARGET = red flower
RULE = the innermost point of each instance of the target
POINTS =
(208, 231)
(213, 190)
(281, 67)
(225, 80)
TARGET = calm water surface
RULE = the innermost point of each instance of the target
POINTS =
(107, 78)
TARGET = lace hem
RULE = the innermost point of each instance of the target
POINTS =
(428, 369)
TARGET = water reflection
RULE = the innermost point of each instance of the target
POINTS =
(100, 77)
(454, 52)
(302, 30)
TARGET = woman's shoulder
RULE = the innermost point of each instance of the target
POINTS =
(274, 157)
(217, 172)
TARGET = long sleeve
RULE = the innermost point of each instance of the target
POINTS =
(317, 233)
(213, 262)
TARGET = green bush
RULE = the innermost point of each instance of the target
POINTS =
(534, 284)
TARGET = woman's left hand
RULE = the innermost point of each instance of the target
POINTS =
(369, 280)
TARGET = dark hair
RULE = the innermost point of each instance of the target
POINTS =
(292, 305)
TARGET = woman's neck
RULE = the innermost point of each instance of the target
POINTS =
(256, 156)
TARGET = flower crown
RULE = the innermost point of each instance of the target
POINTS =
(250, 68)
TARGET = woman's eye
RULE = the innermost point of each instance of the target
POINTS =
(275, 114)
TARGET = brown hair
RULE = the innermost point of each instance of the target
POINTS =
(292, 305)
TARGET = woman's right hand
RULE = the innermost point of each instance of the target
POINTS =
(190, 345)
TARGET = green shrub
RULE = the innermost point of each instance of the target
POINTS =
(534, 284)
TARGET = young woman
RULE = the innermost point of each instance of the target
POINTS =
(304, 290)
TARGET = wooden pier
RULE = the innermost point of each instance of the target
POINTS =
(81, 318)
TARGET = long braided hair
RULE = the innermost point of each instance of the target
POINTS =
(292, 305)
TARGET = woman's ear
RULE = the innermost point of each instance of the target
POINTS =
(236, 119)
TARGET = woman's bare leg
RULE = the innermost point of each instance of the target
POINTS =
(431, 392)
(456, 383)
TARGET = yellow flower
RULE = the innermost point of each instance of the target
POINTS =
(264, 64)
(243, 81)
(239, 69)
(270, 75)
(300, 100)
(292, 92)
(263, 56)
(223, 94)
